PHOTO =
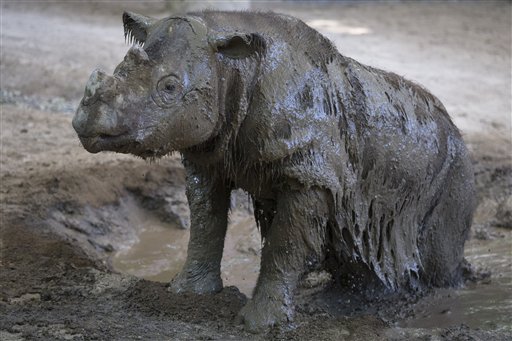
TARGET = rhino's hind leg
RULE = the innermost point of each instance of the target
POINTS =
(294, 241)
(209, 202)
(446, 227)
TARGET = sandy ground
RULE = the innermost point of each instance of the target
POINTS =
(64, 212)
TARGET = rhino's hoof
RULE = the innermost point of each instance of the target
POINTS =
(259, 316)
(199, 285)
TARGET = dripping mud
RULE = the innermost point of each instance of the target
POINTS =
(88, 242)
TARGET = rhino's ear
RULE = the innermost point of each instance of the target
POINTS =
(136, 27)
(238, 45)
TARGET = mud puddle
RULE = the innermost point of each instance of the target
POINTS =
(160, 251)
(486, 304)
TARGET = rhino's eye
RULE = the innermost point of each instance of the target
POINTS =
(169, 88)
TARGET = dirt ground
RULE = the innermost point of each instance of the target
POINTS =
(66, 213)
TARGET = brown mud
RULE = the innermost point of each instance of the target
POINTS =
(69, 218)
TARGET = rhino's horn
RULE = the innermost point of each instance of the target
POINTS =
(136, 27)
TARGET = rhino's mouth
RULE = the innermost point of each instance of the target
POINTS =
(121, 143)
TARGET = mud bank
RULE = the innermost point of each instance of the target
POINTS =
(66, 215)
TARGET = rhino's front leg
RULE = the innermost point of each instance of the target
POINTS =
(294, 242)
(209, 203)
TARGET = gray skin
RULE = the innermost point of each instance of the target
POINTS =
(350, 168)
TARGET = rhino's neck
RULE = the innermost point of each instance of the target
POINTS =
(236, 81)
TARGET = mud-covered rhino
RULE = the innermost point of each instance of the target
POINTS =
(350, 168)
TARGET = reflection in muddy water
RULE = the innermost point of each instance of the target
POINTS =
(161, 250)
(486, 304)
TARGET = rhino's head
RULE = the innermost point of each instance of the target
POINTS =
(164, 95)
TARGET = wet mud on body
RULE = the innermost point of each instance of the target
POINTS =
(88, 242)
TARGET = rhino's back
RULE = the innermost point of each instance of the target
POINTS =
(312, 103)
(276, 29)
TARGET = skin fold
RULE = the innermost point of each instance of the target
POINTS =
(350, 168)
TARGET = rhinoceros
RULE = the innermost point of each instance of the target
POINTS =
(350, 168)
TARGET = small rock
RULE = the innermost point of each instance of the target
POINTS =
(504, 214)
(481, 232)
(25, 298)
(6, 336)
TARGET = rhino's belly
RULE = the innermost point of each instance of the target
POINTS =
(257, 183)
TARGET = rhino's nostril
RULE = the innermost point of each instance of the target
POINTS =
(111, 135)
(108, 136)
(80, 121)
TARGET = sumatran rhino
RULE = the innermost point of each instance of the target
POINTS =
(350, 168)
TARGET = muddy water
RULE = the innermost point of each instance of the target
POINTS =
(161, 250)
(486, 304)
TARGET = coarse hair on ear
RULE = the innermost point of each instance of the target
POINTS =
(238, 45)
(136, 27)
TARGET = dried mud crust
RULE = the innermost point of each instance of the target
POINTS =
(63, 211)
